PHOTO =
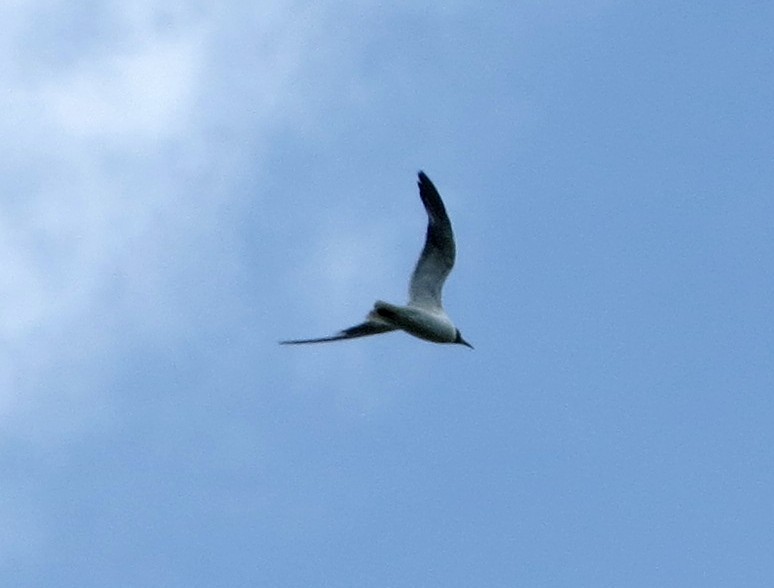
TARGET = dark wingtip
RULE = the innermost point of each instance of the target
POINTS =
(431, 199)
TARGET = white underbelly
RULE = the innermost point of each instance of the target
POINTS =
(425, 324)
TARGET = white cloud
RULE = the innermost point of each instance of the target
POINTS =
(117, 168)
(145, 94)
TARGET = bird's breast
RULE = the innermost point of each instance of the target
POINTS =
(425, 324)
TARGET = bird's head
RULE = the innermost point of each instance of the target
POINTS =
(461, 341)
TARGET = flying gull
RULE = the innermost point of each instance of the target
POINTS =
(423, 316)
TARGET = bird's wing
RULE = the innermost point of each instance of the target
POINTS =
(437, 257)
(365, 329)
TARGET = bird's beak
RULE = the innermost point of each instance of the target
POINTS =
(463, 342)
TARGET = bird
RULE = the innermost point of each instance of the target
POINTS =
(423, 316)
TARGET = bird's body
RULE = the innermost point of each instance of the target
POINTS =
(430, 325)
(423, 316)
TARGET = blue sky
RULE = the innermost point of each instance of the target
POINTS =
(185, 183)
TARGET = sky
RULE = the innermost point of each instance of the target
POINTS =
(184, 183)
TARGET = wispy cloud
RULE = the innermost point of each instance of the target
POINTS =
(129, 133)
(121, 153)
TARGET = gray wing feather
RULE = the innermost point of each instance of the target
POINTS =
(362, 330)
(437, 257)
